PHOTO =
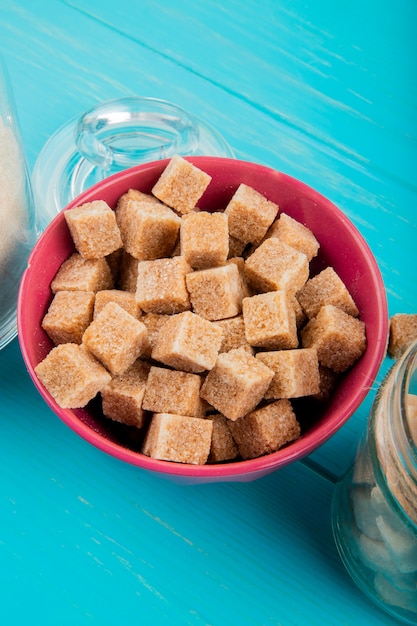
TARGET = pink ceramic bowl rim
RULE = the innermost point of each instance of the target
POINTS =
(239, 470)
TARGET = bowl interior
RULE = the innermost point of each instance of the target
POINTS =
(341, 246)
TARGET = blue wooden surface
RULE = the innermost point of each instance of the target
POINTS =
(323, 91)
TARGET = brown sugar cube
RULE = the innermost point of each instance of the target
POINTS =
(128, 273)
(204, 239)
(236, 384)
(72, 375)
(296, 373)
(300, 316)
(181, 185)
(173, 391)
(270, 321)
(114, 261)
(177, 248)
(223, 446)
(266, 429)
(115, 338)
(233, 334)
(137, 196)
(338, 338)
(188, 342)
(122, 397)
(402, 332)
(125, 299)
(216, 293)
(326, 288)
(161, 286)
(178, 438)
(153, 323)
(94, 229)
(295, 234)
(149, 230)
(76, 274)
(328, 380)
(250, 214)
(275, 266)
(240, 264)
(68, 316)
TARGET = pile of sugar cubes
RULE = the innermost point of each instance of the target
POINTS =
(197, 327)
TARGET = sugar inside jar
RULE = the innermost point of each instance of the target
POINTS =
(17, 220)
(375, 503)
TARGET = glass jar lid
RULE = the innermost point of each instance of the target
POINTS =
(113, 136)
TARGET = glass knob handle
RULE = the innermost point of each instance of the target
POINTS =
(128, 131)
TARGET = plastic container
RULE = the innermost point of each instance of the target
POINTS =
(17, 217)
(375, 504)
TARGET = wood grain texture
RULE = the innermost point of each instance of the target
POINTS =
(88, 540)
(322, 92)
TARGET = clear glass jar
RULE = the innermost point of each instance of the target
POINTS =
(17, 216)
(374, 509)
(110, 137)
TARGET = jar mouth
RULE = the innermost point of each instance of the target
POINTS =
(124, 132)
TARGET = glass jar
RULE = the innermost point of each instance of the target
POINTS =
(110, 137)
(17, 216)
(375, 504)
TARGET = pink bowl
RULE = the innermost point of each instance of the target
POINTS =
(342, 247)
